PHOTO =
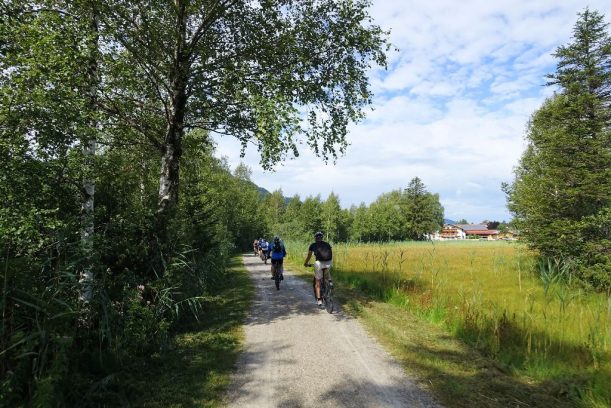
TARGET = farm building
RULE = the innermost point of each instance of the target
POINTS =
(479, 231)
(450, 231)
(464, 231)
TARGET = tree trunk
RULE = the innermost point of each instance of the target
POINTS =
(89, 150)
(170, 171)
(172, 148)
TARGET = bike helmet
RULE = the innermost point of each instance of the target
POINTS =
(318, 234)
(276, 240)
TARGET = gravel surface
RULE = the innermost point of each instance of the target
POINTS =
(297, 355)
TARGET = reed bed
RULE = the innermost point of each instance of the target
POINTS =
(496, 297)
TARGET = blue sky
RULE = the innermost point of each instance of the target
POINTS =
(451, 108)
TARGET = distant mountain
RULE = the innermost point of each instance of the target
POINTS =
(264, 193)
(448, 221)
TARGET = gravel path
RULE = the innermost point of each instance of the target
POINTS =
(297, 355)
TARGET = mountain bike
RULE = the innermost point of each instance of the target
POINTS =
(277, 273)
(326, 290)
(263, 255)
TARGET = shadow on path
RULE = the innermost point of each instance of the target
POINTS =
(297, 355)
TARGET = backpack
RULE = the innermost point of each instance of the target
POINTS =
(323, 252)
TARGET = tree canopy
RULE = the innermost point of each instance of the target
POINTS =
(409, 214)
(267, 73)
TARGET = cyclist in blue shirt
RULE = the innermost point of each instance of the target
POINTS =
(277, 252)
(264, 247)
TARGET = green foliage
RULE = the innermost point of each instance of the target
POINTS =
(410, 214)
(311, 215)
(333, 219)
(196, 368)
(399, 215)
(273, 209)
(360, 222)
(143, 289)
(422, 210)
(594, 234)
(143, 81)
(274, 74)
(142, 331)
(561, 194)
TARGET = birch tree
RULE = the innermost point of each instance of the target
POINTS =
(90, 15)
(332, 217)
(270, 73)
(50, 76)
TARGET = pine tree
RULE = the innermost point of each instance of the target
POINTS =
(422, 212)
(562, 188)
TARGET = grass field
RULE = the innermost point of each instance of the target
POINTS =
(543, 335)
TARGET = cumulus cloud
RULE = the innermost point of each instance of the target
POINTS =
(451, 108)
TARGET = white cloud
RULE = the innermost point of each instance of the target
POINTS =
(402, 108)
(451, 109)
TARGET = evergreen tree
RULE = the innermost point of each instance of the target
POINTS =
(422, 211)
(562, 188)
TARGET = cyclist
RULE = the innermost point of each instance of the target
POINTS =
(263, 249)
(277, 252)
(324, 259)
(255, 246)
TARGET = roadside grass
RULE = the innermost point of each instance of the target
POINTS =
(476, 324)
(196, 370)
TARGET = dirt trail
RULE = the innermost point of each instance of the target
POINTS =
(297, 355)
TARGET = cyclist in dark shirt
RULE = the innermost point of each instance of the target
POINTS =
(324, 260)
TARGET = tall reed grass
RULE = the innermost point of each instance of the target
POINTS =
(497, 297)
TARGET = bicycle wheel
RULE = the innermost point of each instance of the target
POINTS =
(327, 298)
(277, 278)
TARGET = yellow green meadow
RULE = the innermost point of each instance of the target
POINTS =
(494, 296)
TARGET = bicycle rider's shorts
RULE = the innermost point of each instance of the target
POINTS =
(277, 262)
(319, 266)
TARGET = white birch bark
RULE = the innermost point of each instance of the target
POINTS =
(89, 151)
(170, 160)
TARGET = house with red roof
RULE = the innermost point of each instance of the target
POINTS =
(478, 231)
(465, 231)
